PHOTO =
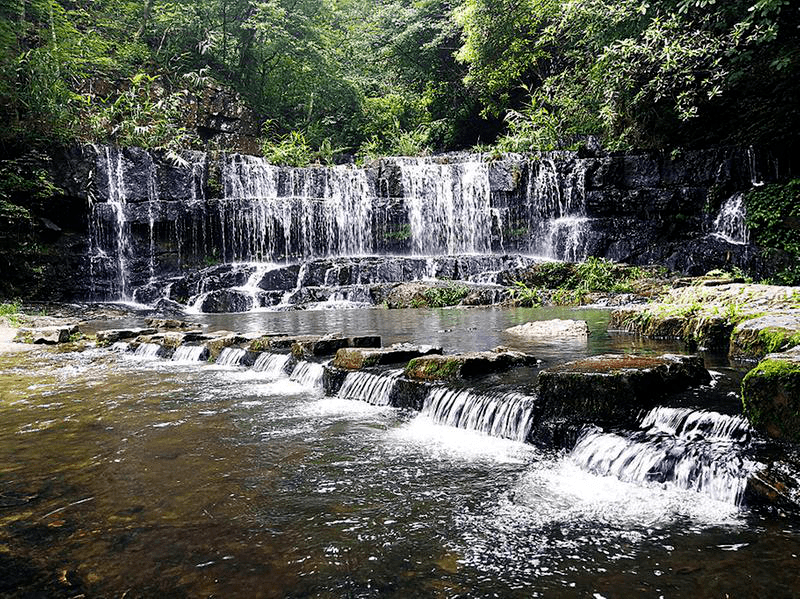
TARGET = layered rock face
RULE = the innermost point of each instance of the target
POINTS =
(152, 216)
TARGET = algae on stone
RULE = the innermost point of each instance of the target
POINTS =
(771, 398)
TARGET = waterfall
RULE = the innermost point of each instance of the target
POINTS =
(508, 415)
(269, 211)
(148, 350)
(690, 449)
(308, 374)
(231, 356)
(731, 222)
(190, 353)
(120, 346)
(448, 206)
(272, 365)
(372, 388)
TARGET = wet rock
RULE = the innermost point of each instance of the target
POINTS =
(409, 395)
(357, 358)
(614, 388)
(333, 379)
(775, 486)
(169, 307)
(753, 339)
(320, 346)
(771, 396)
(280, 279)
(110, 336)
(169, 324)
(226, 301)
(46, 335)
(461, 366)
(219, 340)
(555, 328)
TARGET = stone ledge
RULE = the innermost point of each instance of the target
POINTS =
(461, 366)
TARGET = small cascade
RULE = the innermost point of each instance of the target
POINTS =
(690, 449)
(507, 415)
(731, 222)
(372, 388)
(251, 287)
(272, 365)
(147, 350)
(189, 353)
(231, 356)
(448, 206)
(120, 346)
(308, 374)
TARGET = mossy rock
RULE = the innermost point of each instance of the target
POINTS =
(755, 338)
(462, 366)
(771, 397)
(358, 358)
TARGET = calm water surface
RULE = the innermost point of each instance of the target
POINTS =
(142, 478)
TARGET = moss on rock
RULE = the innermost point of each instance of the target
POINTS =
(771, 398)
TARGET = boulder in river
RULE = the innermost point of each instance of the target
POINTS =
(550, 329)
(614, 388)
(771, 395)
(467, 365)
(110, 336)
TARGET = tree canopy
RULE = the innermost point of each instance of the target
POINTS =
(403, 76)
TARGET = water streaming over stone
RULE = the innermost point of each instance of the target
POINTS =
(273, 365)
(375, 389)
(731, 222)
(148, 350)
(690, 449)
(189, 353)
(231, 356)
(308, 374)
(507, 415)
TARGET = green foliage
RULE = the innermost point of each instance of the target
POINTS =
(525, 296)
(401, 234)
(773, 214)
(449, 295)
(11, 312)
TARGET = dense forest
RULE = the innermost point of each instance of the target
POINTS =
(367, 77)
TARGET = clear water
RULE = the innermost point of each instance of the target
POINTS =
(154, 478)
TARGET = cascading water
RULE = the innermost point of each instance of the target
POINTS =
(231, 356)
(308, 374)
(375, 389)
(448, 206)
(507, 415)
(731, 222)
(189, 353)
(272, 365)
(690, 449)
(147, 350)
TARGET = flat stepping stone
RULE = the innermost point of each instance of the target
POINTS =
(46, 335)
(753, 339)
(110, 336)
(613, 388)
(467, 365)
(357, 358)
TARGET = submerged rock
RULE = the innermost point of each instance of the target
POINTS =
(460, 366)
(551, 328)
(613, 388)
(357, 358)
(771, 395)
(753, 339)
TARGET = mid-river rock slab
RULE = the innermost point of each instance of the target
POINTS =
(460, 366)
(357, 358)
(755, 338)
(550, 329)
(110, 336)
(614, 388)
(329, 345)
(46, 335)
(771, 395)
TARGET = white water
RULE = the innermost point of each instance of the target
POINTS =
(117, 201)
(271, 364)
(375, 389)
(188, 353)
(308, 374)
(731, 222)
(687, 449)
(147, 350)
(507, 415)
(230, 356)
